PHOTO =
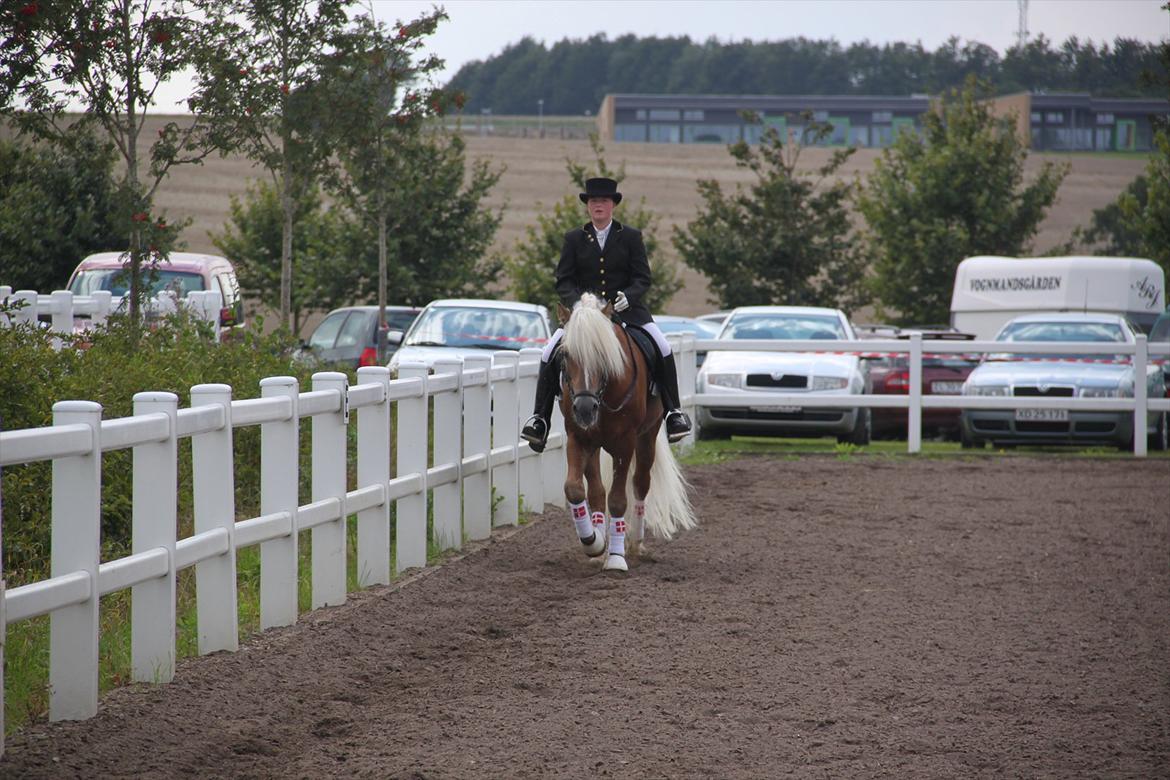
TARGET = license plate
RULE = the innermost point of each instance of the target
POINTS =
(777, 409)
(946, 388)
(1042, 415)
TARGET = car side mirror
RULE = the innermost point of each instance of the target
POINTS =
(394, 336)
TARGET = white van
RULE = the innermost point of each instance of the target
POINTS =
(990, 290)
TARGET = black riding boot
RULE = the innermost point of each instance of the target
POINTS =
(535, 431)
(677, 423)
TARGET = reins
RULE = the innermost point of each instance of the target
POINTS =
(599, 395)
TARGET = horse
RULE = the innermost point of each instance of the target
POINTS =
(607, 406)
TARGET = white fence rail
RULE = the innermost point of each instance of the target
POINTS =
(478, 406)
(1140, 405)
(69, 312)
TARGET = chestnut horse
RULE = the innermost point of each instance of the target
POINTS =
(607, 407)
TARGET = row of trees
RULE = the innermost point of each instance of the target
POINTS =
(572, 76)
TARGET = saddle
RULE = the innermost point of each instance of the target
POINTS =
(649, 349)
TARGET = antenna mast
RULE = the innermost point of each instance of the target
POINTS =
(1022, 29)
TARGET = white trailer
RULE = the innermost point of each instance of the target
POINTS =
(991, 290)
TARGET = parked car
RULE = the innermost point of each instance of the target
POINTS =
(730, 373)
(716, 318)
(181, 272)
(1061, 376)
(348, 337)
(943, 373)
(1160, 334)
(703, 329)
(455, 328)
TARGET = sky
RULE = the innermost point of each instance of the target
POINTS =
(478, 29)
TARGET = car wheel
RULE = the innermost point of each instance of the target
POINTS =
(967, 442)
(1160, 438)
(862, 430)
(706, 433)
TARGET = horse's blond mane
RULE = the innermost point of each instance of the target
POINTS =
(590, 340)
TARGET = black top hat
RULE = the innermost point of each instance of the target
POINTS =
(601, 188)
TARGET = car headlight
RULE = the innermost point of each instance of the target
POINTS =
(1100, 392)
(985, 389)
(829, 382)
(725, 380)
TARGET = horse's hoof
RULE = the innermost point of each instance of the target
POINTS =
(615, 563)
(595, 544)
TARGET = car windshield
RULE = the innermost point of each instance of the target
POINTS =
(1061, 333)
(702, 330)
(784, 327)
(1161, 329)
(484, 328)
(117, 281)
(400, 320)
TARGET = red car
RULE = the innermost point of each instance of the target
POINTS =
(943, 373)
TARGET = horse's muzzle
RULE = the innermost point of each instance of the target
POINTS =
(585, 410)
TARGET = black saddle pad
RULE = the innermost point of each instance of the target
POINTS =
(649, 349)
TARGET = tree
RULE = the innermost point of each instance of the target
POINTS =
(108, 56)
(1109, 232)
(259, 85)
(56, 206)
(1148, 220)
(787, 238)
(325, 242)
(953, 191)
(531, 267)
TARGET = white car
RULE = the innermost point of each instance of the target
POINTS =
(458, 327)
(810, 374)
(1061, 376)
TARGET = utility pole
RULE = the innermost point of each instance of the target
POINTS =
(1022, 29)
(540, 114)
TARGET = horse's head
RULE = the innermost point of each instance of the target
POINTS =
(591, 356)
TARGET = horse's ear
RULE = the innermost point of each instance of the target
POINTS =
(563, 313)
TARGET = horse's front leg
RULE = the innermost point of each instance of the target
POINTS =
(618, 500)
(579, 461)
(595, 487)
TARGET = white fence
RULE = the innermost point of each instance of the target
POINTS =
(1139, 405)
(478, 406)
(68, 312)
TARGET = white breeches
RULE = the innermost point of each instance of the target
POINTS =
(650, 327)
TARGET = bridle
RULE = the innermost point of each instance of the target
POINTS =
(599, 395)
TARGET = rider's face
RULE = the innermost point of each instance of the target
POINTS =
(600, 211)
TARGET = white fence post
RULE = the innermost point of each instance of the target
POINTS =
(102, 303)
(554, 463)
(329, 481)
(279, 469)
(411, 526)
(213, 482)
(155, 525)
(505, 435)
(373, 468)
(914, 412)
(76, 546)
(530, 477)
(62, 309)
(1141, 359)
(447, 498)
(29, 312)
(477, 440)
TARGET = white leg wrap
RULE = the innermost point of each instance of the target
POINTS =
(617, 536)
(599, 522)
(580, 515)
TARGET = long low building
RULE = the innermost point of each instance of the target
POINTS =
(1047, 122)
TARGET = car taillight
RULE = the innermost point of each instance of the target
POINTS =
(898, 382)
(369, 357)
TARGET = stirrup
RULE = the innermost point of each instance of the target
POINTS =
(535, 432)
(677, 425)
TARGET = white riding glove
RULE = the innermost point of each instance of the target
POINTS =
(621, 302)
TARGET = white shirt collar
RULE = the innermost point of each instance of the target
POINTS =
(603, 233)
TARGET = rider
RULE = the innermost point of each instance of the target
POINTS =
(609, 259)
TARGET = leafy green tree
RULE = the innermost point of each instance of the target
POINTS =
(1109, 233)
(954, 191)
(325, 241)
(532, 265)
(56, 206)
(1148, 220)
(109, 57)
(259, 84)
(784, 240)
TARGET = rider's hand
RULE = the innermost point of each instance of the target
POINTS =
(621, 302)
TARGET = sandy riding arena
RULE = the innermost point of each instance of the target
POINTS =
(831, 617)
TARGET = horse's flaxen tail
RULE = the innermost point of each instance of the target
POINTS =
(668, 504)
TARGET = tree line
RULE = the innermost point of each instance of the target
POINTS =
(573, 76)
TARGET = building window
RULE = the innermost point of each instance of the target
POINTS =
(629, 132)
(1104, 119)
(710, 134)
(693, 115)
(1037, 117)
(664, 114)
(664, 134)
(883, 116)
(1054, 118)
(821, 116)
(640, 114)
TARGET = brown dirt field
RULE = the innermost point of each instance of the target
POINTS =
(831, 617)
(535, 177)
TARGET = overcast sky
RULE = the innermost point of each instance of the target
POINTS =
(477, 29)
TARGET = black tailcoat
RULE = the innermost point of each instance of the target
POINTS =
(622, 265)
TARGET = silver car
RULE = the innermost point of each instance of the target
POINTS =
(1060, 376)
(458, 327)
(731, 373)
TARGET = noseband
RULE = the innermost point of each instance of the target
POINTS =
(597, 395)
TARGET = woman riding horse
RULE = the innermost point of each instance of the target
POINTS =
(609, 259)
